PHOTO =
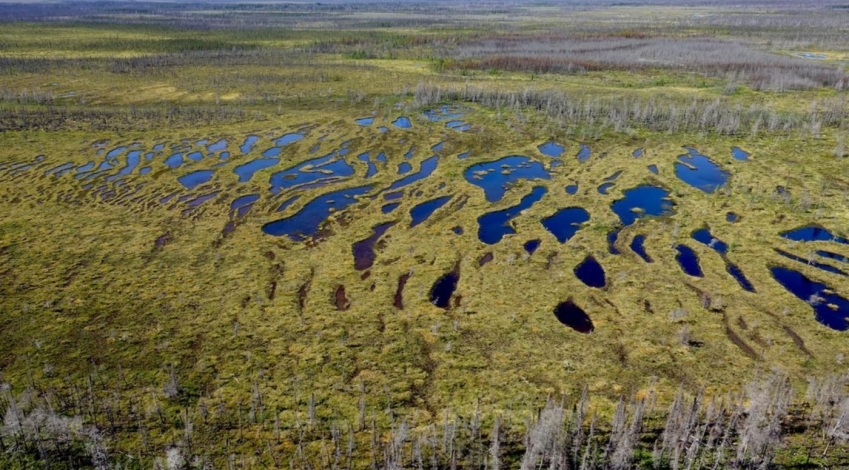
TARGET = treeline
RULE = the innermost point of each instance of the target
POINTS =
(54, 118)
(712, 57)
(573, 110)
(101, 423)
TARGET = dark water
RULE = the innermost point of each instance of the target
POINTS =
(363, 250)
(738, 275)
(574, 317)
(604, 188)
(572, 189)
(813, 233)
(637, 153)
(638, 247)
(493, 226)
(248, 145)
(133, 159)
(552, 149)
(402, 123)
(393, 196)
(650, 200)
(700, 172)
(217, 146)
(322, 169)
(427, 168)
(287, 203)
(591, 273)
(825, 267)
(532, 245)
(704, 237)
(653, 168)
(366, 121)
(195, 156)
(815, 295)
(423, 211)
(196, 178)
(612, 238)
(731, 217)
(174, 161)
(566, 222)
(457, 230)
(833, 256)
(306, 222)
(443, 289)
(404, 168)
(288, 139)
(243, 201)
(438, 147)
(246, 171)
(493, 177)
(387, 208)
(445, 113)
(688, 260)
(381, 157)
(464, 155)
(372, 168)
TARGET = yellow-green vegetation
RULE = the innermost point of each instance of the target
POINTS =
(186, 334)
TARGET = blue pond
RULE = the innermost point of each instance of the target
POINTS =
(195, 156)
(637, 153)
(438, 147)
(247, 170)
(427, 168)
(244, 201)
(174, 161)
(404, 168)
(591, 273)
(272, 152)
(566, 222)
(612, 237)
(457, 230)
(372, 169)
(813, 233)
(402, 123)
(642, 201)
(731, 217)
(584, 153)
(700, 172)
(572, 189)
(464, 155)
(287, 203)
(133, 159)
(393, 196)
(366, 121)
(217, 146)
(704, 237)
(638, 247)
(493, 226)
(306, 222)
(423, 211)
(445, 113)
(552, 149)
(832, 256)
(532, 245)
(825, 267)
(738, 275)
(653, 168)
(248, 145)
(322, 169)
(739, 154)
(688, 260)
(115, 152)
(604, 188)
(493, 177)
(381, 157)
(387, 208)
(288, 139)
(815, 295)
(409, 153)
(196, 178)
(84, 168)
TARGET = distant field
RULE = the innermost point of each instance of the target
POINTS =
(390, 235)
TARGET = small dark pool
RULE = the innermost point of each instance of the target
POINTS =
(638, 247)
(402, 123)
(248, 145)
(464, 155)
(813, 233)
(564, 223)
(306, 222)
(731, 217)
(457, 230)
(688, 260)
(246, 171)
(591, 273)
(572, 189)
(427, 168)
(653, 168)
(832, 256)
(287, 203)
(637, 153)
(195, 156)
(366, 121)
(532, 245)
(604, 188)
(404, 168)
(574, 317)
(830, 310)
(493, 177)
(217, 146)
(738, 275)
(322, 169)
(612, 238)
(445, 113)
(387, 208)
(288, 139)
(551, 149)
(243, 201)
(493, 226)
(443, 289)
(196, 178)
(423, 211)
(174, 161)
(700, 172)
(363, 250)
(133, 159)
(704, 237)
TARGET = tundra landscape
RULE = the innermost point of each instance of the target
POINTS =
(413, 234)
